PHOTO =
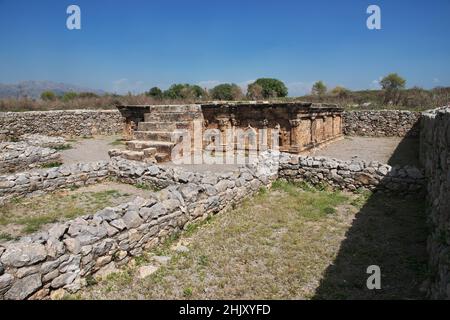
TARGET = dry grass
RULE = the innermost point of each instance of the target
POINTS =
(410, 99)
(279, 245)
(103, 102)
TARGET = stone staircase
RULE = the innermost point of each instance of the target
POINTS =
(154, 138)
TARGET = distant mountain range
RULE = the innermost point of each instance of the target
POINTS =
(33, 89)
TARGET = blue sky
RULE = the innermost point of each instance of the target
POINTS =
(134, 45)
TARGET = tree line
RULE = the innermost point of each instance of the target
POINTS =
(392, 93)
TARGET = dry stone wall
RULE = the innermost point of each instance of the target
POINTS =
(17, 156)
(60, 123)
(352, 175)
(62, 256)
(383, 123)
(435, 157)
(47, 180)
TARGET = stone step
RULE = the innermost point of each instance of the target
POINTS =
(163, 126)
(162, 157)
(170, 116)
(160, 146)
(154, 135)
(146, 155)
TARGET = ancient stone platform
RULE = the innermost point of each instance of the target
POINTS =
(155, 130)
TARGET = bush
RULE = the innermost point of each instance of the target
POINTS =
(48, 96)
(226, 91)
(69, 96)
(341, 92)
(184, 91)
(155, 92)
(271, 88)
(86, 95)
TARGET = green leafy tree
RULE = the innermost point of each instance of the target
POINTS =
(48, 96)
(319, 89)
(69, 96)
(254, 91)
(392, 84)
(184, 91)
(226, 91)
(197, 91)
(271, 88)
(155, 92)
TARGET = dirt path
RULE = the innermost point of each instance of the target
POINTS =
(91, 149)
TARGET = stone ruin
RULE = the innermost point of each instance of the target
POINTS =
(153, 131)
(64, 255)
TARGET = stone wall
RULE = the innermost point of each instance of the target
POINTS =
(351, 175)
(60, 123)
(62, 256)
(435, 157)
(48, 180)
(17, 156)
(384, 123)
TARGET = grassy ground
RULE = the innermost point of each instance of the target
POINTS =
(287, 243)
(26, 215)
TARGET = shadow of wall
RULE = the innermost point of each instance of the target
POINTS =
(388, 231)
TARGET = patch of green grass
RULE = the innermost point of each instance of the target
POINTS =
(90, 280)
(63, 147)
(5, 236)
(52, 208)
(50, 165)
(146, 186)
(187, 292)
(203, 260)
(361, 198)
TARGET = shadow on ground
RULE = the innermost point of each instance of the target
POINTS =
(389, 231)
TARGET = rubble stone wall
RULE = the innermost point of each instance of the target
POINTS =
(435, 157)
(69, 123)
(17, 156)
(48, 180)
(66, 253)
(383, 123)
(352, 175)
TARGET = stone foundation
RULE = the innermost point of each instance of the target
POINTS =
(226, 127)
